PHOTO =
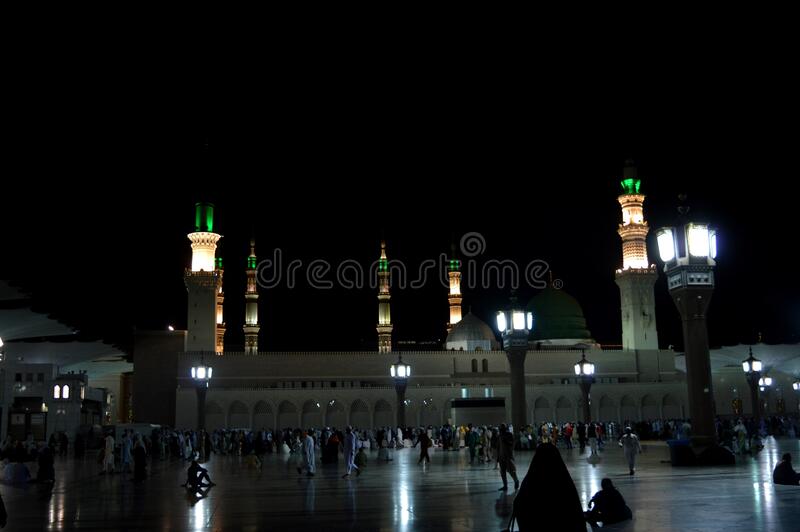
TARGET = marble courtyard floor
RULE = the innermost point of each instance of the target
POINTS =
(400, 495)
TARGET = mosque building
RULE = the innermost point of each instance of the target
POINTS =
(258, 389)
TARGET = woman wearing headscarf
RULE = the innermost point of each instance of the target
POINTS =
(548, 499)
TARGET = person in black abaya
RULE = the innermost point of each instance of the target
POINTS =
(548, 499)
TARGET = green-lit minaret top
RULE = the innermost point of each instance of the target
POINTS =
(218, 263)
(204, 217)
(630, 179)
(453, 264)
(251, 260)
(383, 262)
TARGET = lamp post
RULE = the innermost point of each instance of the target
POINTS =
(201, 375)
(400, 373)
(689, 254)
(515, 325)
(764, 387)
(752, 371)
(585, 373)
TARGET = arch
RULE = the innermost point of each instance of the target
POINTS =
(383, 414)
(312, 415)
(671, 407)
(650, 408)
(335, 415)
(215, 416)
(485, 365)
(359, 415)
(564, 410)
(608, 410)
(542, 410)
(628, 409)
(57, 392)
(429, 414)
(238, 416)
(474, 365)
(65, 391)
(263, 416)
(287, 415)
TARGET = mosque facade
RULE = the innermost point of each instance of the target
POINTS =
(257, 389)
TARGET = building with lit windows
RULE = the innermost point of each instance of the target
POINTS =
(257, 389)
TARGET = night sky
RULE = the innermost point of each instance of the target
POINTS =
(96, 213)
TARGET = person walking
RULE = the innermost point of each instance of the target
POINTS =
(424, 442)
(471, 440)
(309, 456)
(108, 455)
(631, 447)
(350, 442)
(505, 458)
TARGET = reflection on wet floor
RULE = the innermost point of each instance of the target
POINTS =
(448, 494)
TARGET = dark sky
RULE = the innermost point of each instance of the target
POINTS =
(98, 202)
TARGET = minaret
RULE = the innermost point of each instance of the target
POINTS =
(220, 343)
(384, 314)
(251, 326)
(454, 298)
(637, 277)
(203, 282)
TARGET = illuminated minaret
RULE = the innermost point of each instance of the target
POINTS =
(251, 326)
(220, 344)
(384, 314)
(454, 297)
(203, 282)
(637, 277)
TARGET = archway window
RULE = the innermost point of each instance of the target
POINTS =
(56, 392)
(474, 365)
(65, 393)
(485, 364)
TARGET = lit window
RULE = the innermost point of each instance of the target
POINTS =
(56, 392)
(66, 391)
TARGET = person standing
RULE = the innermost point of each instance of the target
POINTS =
(108, 456)
(487, 444)
(309, 456)
(505, 458)
(631, 447)
(140, 460)
(471, 440)
(350, 452)
(591, 435)
(127, 449)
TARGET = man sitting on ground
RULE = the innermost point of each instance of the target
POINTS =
(195, 476)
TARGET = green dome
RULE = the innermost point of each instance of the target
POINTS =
(557, 316)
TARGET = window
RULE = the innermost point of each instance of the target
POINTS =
(65, 394)
(485, 364)
(488, 392)
(464, 393)
(56, 392)
(40, 378)
(474, 365)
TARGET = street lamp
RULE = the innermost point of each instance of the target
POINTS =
(585, 373)
(201, 375)
(764, 387)
(752, 370)
(515, 325)
(400, 373)
(689, 254)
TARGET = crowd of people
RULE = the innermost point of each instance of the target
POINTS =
(485, 444)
